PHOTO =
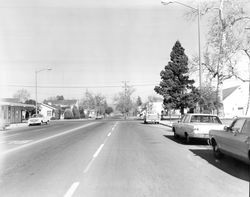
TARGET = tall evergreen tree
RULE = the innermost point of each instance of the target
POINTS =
(176, 87)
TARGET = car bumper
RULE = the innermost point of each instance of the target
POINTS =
(199, 135)
(33, 123)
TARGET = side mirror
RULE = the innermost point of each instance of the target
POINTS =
(226, 128)
(235, 131)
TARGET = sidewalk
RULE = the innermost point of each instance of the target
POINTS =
(14, 125)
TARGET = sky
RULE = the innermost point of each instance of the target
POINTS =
(90, 45)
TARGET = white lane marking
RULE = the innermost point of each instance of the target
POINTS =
(72, 189)
(47, 138)
(18, 142)
(16, 134)
(98, 151)
(88, 166)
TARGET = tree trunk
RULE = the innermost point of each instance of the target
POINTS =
(219, 96)
(248, 100)
(182, 110)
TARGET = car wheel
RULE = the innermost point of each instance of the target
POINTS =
(216, 150)
(187, 139)
(175, 135)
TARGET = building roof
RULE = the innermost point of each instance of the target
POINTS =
(62, 102)
(228, 91)
(13, 102)
(48, 106)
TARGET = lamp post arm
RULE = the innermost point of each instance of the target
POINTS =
(37, 71)
(188, 6)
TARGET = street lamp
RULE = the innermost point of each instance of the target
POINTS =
(36, 72)
(199, 38)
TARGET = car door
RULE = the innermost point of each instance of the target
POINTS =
(185, 125)
(241, 140)
(179, 126)
(233, 137)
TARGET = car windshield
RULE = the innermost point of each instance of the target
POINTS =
(205, 119)
(37, 116)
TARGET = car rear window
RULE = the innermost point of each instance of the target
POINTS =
(205, 119)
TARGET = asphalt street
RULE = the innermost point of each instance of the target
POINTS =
(110, 158)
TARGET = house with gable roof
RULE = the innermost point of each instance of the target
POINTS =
(235, 100)
(47, 110)
(62, 105)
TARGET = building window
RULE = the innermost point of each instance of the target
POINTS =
(49, 113)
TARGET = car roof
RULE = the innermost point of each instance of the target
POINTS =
(247, 117)
(199, 114)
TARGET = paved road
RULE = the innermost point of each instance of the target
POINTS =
(112, 158)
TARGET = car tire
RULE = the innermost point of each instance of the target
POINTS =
(175, 135)
(187, 139)
(216, 151)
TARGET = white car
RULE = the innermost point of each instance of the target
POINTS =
(38, 119)
(196, 126)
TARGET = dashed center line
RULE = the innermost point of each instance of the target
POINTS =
(72, 189)
(74, 186)
(88, 166)
(98, 151)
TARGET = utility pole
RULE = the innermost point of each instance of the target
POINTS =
(125, 98)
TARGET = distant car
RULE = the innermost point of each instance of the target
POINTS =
(99, 117)
(38, 119)
(233, 140)
(152, 118)
(196, 126)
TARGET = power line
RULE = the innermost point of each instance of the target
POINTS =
(75, 87)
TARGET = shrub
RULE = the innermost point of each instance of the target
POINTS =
(76, 113)
(68, 114)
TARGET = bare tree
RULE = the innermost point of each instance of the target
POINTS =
(226, 39)
(22, 95)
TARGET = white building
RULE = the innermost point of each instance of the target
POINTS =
(235, 100)
(47, 110)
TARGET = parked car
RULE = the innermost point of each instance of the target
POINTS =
(152, 118)
(99, 117)
(38, 119)
(233, 140)
(196, 126)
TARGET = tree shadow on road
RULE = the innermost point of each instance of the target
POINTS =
(227, 164)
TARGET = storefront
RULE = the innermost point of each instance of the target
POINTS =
(13, 112)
